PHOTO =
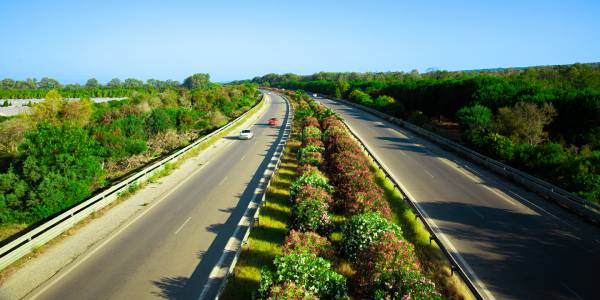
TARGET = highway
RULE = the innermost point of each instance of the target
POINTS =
(512, 243)
(169, 251)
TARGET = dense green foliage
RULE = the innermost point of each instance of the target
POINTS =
(515, 115)
(66, 150)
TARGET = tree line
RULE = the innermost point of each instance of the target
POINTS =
(64, 151)
(31, 88)
(544, 120)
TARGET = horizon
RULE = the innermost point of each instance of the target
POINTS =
(72, 41)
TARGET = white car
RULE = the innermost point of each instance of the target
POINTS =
(246, 134)
(315, 96)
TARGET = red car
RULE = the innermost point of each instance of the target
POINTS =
(273, 122)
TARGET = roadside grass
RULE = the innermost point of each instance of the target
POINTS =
(265, 240)
(434, 263)
(7, 230)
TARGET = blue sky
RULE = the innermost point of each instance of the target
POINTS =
(76, 40)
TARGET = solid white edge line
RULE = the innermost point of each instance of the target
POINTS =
(547, 212)
(53, 281)
(438, 232)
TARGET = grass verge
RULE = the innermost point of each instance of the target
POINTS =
(264, 242)
(434, 262)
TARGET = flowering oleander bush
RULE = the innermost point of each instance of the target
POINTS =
(311, 158)
(312, 141)
(310, 148)
(309, 121)
(311, 215)
(303, 169)
(331, 121)
(312, 273)
(308, 191)
(311, 154)
(405, 284)
(308, 242)
(313, 178)
(311, 131)
(387, 268)
(362, 230)
(290, 291)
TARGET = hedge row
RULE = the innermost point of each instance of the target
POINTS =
(385, 264)
(304, 270)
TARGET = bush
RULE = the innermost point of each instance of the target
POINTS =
(381, 269)
(311, 132)
(317, 193)
(309, 122)
(331, 121)
(159, 121)
(307, 242)
(311, 215)
(310, 272)
(312, 142)
(474, 117)
(417, 118)
(313, 178)
(362, 230)
(290, 291)
(361, 97)
(312, 158)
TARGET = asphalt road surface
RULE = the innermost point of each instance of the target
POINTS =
(170, 251)
(513, 244)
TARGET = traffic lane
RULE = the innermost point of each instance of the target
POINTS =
(478, 214)
(157, 253)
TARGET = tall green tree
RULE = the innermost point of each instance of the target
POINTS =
(198, 80)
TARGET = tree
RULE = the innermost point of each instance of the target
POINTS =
(92, 83)
(132, 83)
(11, 134)
(77, 113)
(114, 83)
(474, 117)
(49, 83)
(49, 109)
(62, 166)
(525, 122)
(199, 80)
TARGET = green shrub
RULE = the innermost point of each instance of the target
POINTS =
(311, 215)
(159, 121)
(307, 242)
(362, 230)
(310, 272)
(311, 132)
(474, 117)
(313, 178)
(290, 291)
(312, 158)
(361, 97)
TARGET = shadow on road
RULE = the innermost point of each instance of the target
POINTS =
(191, 288)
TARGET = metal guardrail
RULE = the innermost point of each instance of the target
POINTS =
(40, 235)
(547, 190)
(454, 265)
(255, 220)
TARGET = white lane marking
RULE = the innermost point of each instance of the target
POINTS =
(223, 180)
(53, 282)
(476, 212)
(457, 167)
(571, 290)
(428, 173)
(547, 212)
(438, 232)
(243, 157)
(181, 227)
